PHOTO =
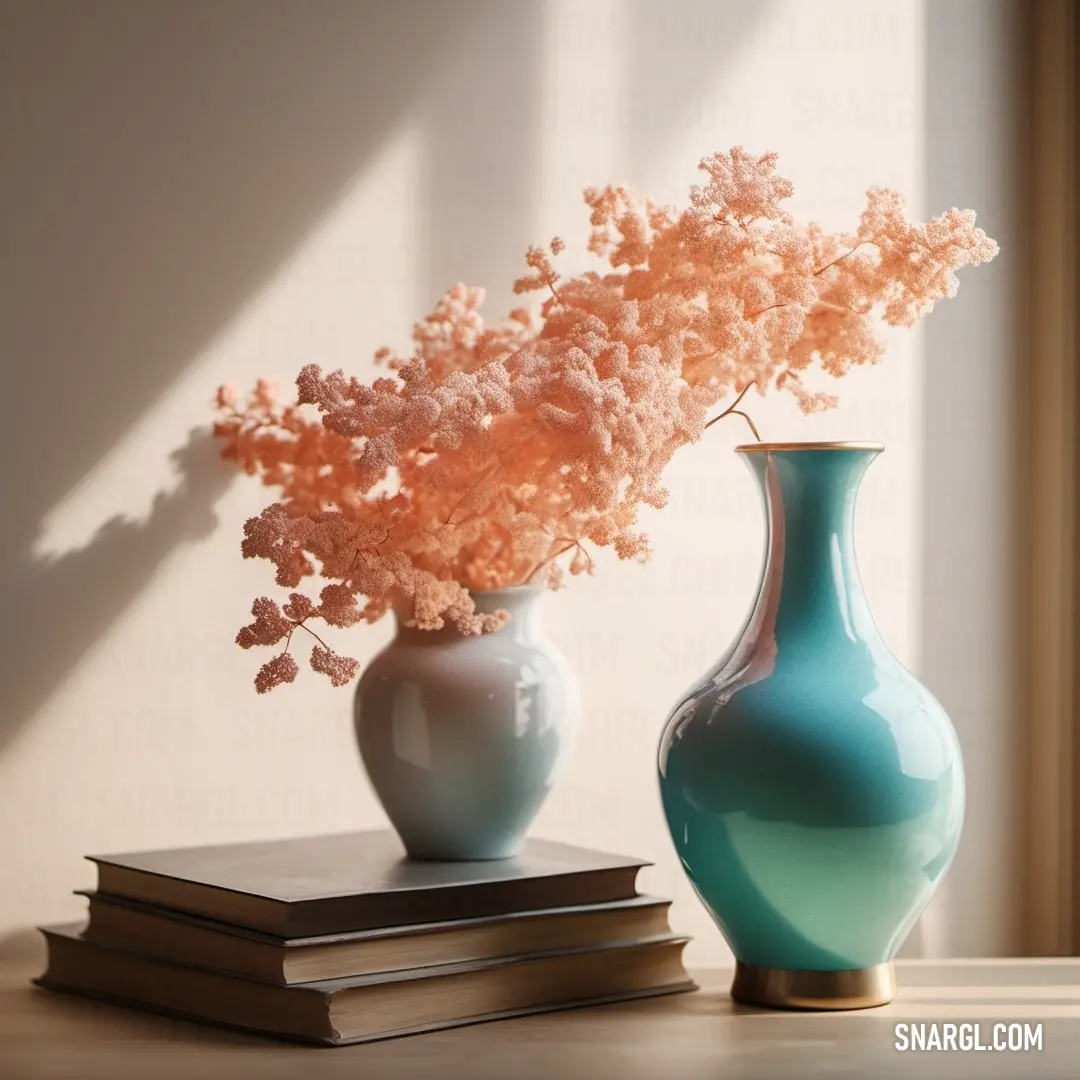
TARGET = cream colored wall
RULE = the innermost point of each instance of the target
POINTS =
(222, 192)
(975, 361)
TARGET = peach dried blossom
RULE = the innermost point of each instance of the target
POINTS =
(496, 455)
(339, 669)
(277, 670)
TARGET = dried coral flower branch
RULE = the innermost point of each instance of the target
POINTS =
(489, 453)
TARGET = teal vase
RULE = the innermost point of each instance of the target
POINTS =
(813, 786)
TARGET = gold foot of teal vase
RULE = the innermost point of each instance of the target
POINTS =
(813, 786)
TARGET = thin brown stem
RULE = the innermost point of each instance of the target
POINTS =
(578, 544)
(304, 626)
(825, 305)
(493, 468)
(739, 412)
(697, 357)
(734, 410)
(771, 307)
(732, 407)
(553, 556)
(840, 258)
(364, 550)
(731, 222)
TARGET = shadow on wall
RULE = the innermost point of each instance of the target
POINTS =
(672, 68)
(165, 159)
(477, 204)
(162, 161)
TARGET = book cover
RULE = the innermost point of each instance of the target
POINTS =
(357, 881)
(191, 939)
(343, 1011)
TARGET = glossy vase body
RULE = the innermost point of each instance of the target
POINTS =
(462, 735)
(813, 787)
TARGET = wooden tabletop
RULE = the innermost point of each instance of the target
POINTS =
(696, 1036)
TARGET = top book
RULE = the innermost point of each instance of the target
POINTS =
(359, 881)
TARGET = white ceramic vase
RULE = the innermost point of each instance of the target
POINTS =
(462, 735)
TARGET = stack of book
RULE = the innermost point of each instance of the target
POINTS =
(341, 939)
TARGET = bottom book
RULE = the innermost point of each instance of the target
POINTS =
(342, 1011)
